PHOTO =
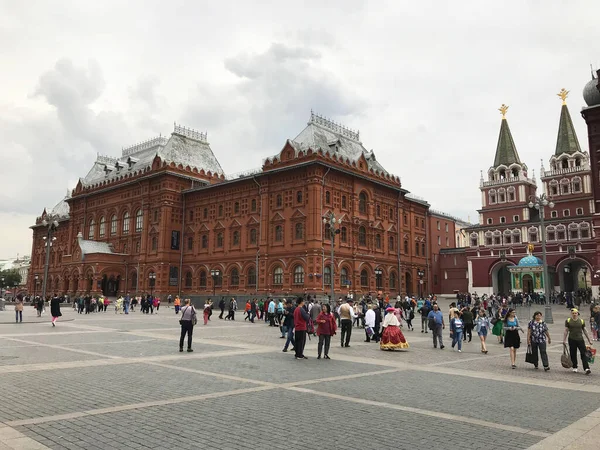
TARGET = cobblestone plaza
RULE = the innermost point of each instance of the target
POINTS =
(106, 381)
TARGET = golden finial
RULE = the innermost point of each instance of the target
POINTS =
(503, 110)
(563, 94)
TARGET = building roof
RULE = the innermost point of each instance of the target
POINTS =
(530, 261)
(506, 151)
(185, 146)
(591, 92)
(567, 141)
(89, 247)
(333, 138)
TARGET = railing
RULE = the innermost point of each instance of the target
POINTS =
(243, 174)
(335, 127)
(190, 133)
(506, 180)
(144, 145)
(548, 173)
(106, 159)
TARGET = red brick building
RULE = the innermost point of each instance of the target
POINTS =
(164, 217)
(507, 224)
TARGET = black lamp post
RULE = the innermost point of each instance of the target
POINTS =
(332, 222)
(421, 274)
(35, 283)
(152, 277)
(51, 222)
(214, 273)
(378, 273)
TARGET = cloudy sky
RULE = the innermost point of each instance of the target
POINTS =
(420, 80)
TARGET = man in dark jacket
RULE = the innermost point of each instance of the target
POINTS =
(288, 324)
(221, 307)
(424, 311)
(376, 334)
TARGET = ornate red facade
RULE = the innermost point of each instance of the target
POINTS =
(165, 208)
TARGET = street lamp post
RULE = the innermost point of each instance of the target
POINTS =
(540, 203)
(332, 221)
(35, 283)
(2, 288)
(585, 269)
(421, 274)
(51, 222)
(152, 277)
(214, 273)
(378, 273)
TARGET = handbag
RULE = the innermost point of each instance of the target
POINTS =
(565, 359)
(590, 354)
(530, 357)
(369, 332)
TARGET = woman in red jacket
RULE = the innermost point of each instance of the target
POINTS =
(325, 329)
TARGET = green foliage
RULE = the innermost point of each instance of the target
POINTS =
(9, 278)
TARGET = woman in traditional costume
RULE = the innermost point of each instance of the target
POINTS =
(392, 338)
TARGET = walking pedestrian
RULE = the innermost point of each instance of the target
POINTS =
(456, 330)
(301, 319)
(346, 316)
(19, 309)
(187, 322)
(55, 309)
(436, 319)
(326, 328)
(424, 311)
(177, 304)
(369, 322)
(575, 330)
(537, 332)
(512, 340)
(467, 317)
(206, 312)
(392, 337)
(483, 325)
(288, 325)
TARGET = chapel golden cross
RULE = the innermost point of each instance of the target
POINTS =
(563, 94)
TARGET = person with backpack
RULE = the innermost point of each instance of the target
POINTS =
(575, 330)
(424, 311)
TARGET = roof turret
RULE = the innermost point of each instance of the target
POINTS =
(567, 141)
(591, 93)
(506, 152)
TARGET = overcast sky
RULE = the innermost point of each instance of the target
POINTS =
(420, 80)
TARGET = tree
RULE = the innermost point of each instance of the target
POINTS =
(9, 278)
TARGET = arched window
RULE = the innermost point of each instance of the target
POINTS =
(154, 243)
(139, 220)
(253, 205)
(474, 240)
(584, 230)
(392, 281)
(576, 184)
(126, 222)
(378, 211)
(511, 194)
(501, 195)
(561, 233)
(251, 279)
(391, 243)
(91, 229)
(378, 241)
(278, 275)
(134, 281)
(516, 236)
(299, 197)
(344, 202)
(190, 243)
(102, 230)
(507, 237)
(188, 280)
(236, 237)
(298, 275)
(362, 203)
(299, 231)
(492, 195)
(219, 240)
(279, 201)
(327, 276)
(533, 234)
(364, 278)
(204, 241)
(550, 233)
(362, 236)
(416, 249)
(236, 207)
(218, 279)
(406, 249)
(278, 233)
(573, 232)
(234, 278)
(253, 234)
(488, 238)
(423, 247)
(392, 214)
(202, 281)
(205, 213)
(554, 187)
(344, 277)
(497, 238)
(564, 186)
(220, 210)
(327, 197)
(577, 162)
(344, 234)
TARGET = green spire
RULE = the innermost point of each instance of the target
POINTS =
(566, 142)
(506, 152)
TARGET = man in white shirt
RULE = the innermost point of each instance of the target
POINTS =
(369, 321)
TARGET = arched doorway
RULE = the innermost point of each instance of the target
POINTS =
(527, 284)
(110, 285)
(501, 278)
(409, 283)
(574, 274)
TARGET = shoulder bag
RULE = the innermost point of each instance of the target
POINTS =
(565, 359)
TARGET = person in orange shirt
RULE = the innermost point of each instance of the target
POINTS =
(247, 310)
(177, 304)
